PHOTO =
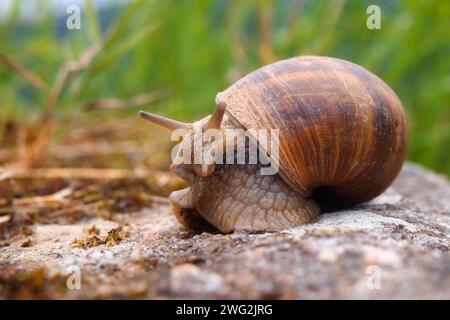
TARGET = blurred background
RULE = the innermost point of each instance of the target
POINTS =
(68, 98)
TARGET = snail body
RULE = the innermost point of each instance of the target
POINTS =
(342, 141)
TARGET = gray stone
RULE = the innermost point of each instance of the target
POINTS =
(396, 246)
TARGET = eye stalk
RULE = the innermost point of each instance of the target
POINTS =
(207, 166)
(214, 122)
(216, 118)
(164, 122)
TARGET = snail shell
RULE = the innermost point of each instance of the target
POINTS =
(343, 131)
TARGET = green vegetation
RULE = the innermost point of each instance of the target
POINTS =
(187, 51)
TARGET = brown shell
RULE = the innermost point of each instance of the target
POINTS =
(343, 131)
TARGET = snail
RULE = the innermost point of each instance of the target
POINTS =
(342, 141)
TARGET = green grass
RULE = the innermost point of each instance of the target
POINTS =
(196, 48)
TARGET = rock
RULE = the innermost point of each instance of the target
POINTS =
(396, 246)
(203, 283)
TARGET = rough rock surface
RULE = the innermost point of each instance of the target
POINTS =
(396, 246)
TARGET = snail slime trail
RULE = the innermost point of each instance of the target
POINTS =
(342, 140)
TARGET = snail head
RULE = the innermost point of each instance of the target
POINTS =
(194, 158)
